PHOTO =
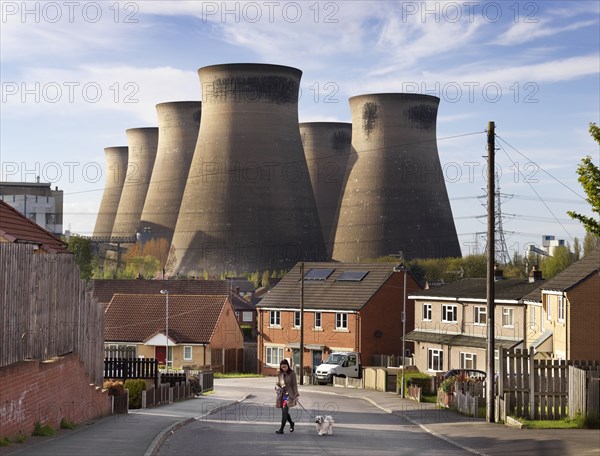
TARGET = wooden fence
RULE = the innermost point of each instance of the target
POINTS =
(46, 310)
(584, 393)
(537, 389)
(227, 360)
(125, 368)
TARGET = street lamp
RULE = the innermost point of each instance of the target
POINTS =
(401, 268)
(166, 293)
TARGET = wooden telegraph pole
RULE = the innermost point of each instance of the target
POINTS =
(490, 415)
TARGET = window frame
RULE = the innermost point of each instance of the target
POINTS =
(191, 349)
(269, 355)
(341, 321)
(297, 319)
(478, 313)
(446, 309)
(432, 355)
(248, 314)
(467, 357)
(275, 318)
(508, 311)
(427, 311)
(320, 319)
(560, 315)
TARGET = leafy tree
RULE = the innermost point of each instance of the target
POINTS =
(576, 249)
(559, 261)
(590, 243)
(589, 178)
(82, 250)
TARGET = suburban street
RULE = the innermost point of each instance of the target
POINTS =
(249, 427)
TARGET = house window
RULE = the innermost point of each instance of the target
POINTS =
(532, 317)
(435, 360)
(549, 309)
(427, 312)
(449, 313)
(341, 321)
(561, 308)
(479, 315)
(170, 356)
(187, 352)
(275, 319)
(508, 318)
(237, 315)
(468, 360)
(318, 320)
(297, 319)
(247, 316)
(274, 355)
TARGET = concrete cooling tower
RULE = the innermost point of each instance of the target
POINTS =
(178, 125)
(248, 204)
(116, 169)
(142, 153)
(327, 147)
(395, 198)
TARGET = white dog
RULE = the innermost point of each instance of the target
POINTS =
(324, 424)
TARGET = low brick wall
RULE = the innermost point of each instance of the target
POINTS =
(46, 392)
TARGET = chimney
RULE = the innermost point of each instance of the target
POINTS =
(237, 291)
(535, 274)
(498, 273)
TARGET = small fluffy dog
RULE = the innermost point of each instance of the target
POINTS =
(324, 424)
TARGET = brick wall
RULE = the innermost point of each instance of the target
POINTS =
(584, 319)
(46, 392)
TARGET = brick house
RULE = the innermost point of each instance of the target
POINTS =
(347, 307)
(564, 315)
(200, 327)
(451, 322)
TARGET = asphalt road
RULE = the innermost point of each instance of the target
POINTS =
(248, 428)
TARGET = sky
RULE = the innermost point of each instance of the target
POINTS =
(76, 75)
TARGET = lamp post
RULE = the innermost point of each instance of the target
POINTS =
(166, 293)
(401, 268)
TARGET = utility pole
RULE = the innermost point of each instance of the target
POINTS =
(302, 323)
(490, 416)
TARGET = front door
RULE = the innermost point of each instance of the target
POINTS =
(317, 359)
(160, 353)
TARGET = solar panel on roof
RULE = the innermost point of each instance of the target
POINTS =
(318, 274)
(352, 276)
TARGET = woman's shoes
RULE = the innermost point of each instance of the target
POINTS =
(292, 427)
(279, 431)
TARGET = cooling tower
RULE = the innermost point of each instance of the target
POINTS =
(116, 169)
(327, 150)
(142, 152)
(395, 198)
(178, 125)
(248, 204)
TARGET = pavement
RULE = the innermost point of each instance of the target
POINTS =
(142, 432)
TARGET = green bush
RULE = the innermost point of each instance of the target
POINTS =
(135, 388)
(447, 385)
(21, 438)
(43, 430)
(416, 378)
(5, 441)
(66, 424)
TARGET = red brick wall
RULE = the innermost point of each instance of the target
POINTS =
(383, 312)
(584, 319)
(46, 392)
(228, 333)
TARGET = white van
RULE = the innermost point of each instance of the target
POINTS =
(339, 364)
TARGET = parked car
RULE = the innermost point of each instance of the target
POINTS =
(473, 374)
(339, 364)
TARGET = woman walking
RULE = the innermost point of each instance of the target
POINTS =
(287, 393)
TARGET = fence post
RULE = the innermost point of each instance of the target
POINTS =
(531, 384)
(143, 399)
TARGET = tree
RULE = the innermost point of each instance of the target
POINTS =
(82, 250)
(560, 260)
(576, 249)
(590, 243)
(589, 178)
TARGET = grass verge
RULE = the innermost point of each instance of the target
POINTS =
(236, 375)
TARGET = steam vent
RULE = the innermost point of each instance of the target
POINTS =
(116, 169)
(327, 147)
(142, 153)
(178, 125)
(395, 199)
(248, 204)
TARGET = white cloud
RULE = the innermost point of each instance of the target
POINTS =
(522, 32)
